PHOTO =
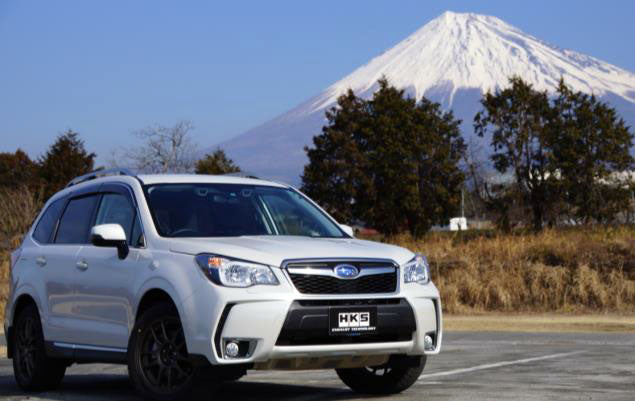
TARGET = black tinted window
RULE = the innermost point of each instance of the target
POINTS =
(44, 231)
(229, 210)
(76, 221)
(137, 239)
(116, 209)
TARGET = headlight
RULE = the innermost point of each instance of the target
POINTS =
(235, 273)
(417, 270)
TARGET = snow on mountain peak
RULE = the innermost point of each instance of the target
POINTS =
(464, 50)
(452, 60)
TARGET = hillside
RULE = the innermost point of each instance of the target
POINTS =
(452, 60)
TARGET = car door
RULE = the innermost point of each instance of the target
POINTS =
(104, 297)
(60, 267)
(40, 252)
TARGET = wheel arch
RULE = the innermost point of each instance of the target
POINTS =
(20, 303)
(152, 297)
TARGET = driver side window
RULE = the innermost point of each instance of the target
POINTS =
(117, 209)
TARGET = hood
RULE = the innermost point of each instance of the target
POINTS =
(273, 250)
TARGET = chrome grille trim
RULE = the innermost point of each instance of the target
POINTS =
(311, 277)
(327, 271)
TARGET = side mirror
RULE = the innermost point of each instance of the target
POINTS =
(111, 236)
(347, 229)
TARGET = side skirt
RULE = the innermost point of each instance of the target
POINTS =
(79, 353)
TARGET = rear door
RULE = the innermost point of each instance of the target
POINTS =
(61, 266)
(104, 295)
(41, 251)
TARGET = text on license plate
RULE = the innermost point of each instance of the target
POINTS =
(356, 321)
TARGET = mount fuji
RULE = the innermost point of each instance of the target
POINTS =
(452, 60)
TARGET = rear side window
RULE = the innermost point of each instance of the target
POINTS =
(76, 221)
(46, 226)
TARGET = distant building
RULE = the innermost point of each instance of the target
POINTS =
(458, 224)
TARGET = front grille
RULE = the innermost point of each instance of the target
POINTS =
(321, 284)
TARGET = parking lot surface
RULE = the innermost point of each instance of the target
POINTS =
(472, 366)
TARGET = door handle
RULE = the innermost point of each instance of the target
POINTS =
(41, 261)
(82, 265)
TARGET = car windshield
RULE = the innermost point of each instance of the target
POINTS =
(229, 210)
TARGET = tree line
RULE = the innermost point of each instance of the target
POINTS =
(163, 150)
(26, 184)
(397, 164)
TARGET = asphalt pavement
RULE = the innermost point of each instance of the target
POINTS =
(472, 366)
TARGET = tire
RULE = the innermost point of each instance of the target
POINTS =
(229, 373)
(158, 363)
(384, 379)
(33, 370)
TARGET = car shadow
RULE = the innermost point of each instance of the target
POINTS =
(118, 387)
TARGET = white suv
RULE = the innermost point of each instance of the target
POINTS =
(192, 276)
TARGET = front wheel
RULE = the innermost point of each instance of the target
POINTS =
(158, 362)
(384, 379)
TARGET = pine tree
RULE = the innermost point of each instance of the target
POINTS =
(388, 162)
(591, 145)
(518, 120)
(17, 170)
(64, 160)
(216, 162)
(336, 174)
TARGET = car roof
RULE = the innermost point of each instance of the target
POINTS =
(152, 179)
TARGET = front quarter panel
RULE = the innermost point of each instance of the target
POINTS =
(175, 274)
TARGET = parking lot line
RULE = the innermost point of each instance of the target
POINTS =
(498, 365)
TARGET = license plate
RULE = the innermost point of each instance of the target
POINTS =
(352, 321)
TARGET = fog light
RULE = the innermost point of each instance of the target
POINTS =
(232, 349)
(428, 343)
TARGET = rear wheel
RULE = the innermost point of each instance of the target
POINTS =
(158, 362)
(33, 370)
(384, 379)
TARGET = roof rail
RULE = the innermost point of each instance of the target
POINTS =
(242, 174)
(100, 173)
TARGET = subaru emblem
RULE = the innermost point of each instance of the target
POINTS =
(346, 271)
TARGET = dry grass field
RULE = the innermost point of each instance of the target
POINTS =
(574, 270)
(569, 271)
(4, 280)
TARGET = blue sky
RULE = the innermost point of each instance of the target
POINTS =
(107, 68)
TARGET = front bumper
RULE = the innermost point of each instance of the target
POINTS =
(277, 323)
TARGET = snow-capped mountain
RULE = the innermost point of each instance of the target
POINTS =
(451, 60)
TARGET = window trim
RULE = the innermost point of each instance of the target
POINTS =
(98, 190)
(38, 219)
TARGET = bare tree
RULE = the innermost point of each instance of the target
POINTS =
(165, 150)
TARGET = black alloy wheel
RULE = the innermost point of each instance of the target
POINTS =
(158, 361)
(33, 370)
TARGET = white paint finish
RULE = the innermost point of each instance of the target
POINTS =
(96, 306)
(426, 318)
(109, 232)
(151, 179)
(273, 250)
(348, 229)
(104, 297)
